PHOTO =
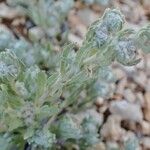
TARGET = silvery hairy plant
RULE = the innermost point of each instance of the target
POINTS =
(48, 14)
(29, 53)
(37, 108)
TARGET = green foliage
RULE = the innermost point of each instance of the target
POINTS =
(48, 14)
(68, 129)
(90, 132)
(10, 66)
(33, 99)
(5, 142)
(29, 53)
(5, 38)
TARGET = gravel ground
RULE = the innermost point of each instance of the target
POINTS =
(126, 113)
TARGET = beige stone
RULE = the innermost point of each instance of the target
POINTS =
(146, 143)
(126, 110)
(145, 127)
(147, 106)
(112, 130)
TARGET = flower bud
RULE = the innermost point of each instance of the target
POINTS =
(113, 20)
(144, 39)
(20, 89)
(102, 89)
(90, 131)
(106, 74)
(9, 65)
(68, 128)
(43, 139)
(27, 113)
(126, 52)
(126, 48)
(101, 36)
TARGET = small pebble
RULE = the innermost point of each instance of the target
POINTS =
(126, 110)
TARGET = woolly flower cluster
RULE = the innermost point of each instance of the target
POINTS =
(113, 40)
